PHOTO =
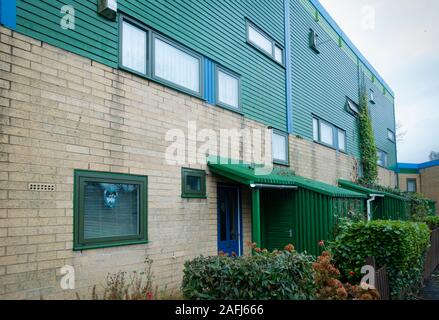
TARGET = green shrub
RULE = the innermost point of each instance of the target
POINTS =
(285, 275)
(432, 222)
(398, 245)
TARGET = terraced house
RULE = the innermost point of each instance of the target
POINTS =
(95, 93)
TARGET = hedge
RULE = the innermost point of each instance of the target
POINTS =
(400, 246)
(285, 275)
(432, 222)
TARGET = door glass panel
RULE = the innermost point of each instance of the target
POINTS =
(233, 217)
(223, 221)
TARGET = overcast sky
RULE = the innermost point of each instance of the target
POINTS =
(403, 46)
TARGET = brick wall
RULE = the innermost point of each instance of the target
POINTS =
(402, 177)
(60, 112)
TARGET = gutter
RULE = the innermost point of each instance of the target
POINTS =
(272, 186)
(369, 204)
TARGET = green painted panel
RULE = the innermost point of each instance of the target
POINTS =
(216, 29)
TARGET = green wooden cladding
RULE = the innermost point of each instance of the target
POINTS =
(302, 218)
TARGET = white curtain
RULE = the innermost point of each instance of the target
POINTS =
(260, 40)
(176, 66)
(228, 89)
(133, 48)
(326, 134)
(315, 129)
(279, 147)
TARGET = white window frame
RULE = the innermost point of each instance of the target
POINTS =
(285, 161)
(274, 44)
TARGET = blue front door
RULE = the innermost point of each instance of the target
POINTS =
(229, 220)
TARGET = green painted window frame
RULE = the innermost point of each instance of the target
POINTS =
(234, 75)
(335, 132)
(287, 149)
(274, 43)
(412, 180)
(82, 176)
(150, 61)
(185, 172)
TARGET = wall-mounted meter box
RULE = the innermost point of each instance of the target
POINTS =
(108, 8)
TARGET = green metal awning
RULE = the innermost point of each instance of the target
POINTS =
(244, 173)
(367, 191)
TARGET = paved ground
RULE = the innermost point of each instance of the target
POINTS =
(431, 291)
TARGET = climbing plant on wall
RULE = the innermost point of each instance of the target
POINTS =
(368, 147)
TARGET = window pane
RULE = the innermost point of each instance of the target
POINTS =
(278, 54)
(260, 40)
(110, 210)
(341, 140)
(353, 106)
(228, 89)
(390, 135)
(326, 134)
(176, 66)
(133, 48)
(315, 129)
(193, 183)
(279, 147)
(411, 185)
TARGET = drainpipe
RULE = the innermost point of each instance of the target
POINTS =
(369, 205)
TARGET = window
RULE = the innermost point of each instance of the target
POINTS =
(412, 185)
(151, 55)
(280, 147)
(372, 96)
(193, 183)
(228, 89)
(278, 54)
(263, 42)
(134, 47)
(390, 135)
(382, 158)
(109, 209)
(314, 40)
(329, 134)
(176, 65)
(352, 107)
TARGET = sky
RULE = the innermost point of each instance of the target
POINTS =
(400, 38)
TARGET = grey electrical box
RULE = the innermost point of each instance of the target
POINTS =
(108, 8)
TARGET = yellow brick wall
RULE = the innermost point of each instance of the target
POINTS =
(430, 184)
(402, 177)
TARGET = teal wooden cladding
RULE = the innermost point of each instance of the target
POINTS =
(321, 82)
(215, 29)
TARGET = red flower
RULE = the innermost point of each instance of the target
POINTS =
(321, 243)
(149, 295)
(351, 273)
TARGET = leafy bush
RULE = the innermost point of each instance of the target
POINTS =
(419, 206)
(281, 275)
(329, 287)
(400, 246)
(432, 222)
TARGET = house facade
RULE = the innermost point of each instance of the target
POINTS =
(109, 115)
(420, 178)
